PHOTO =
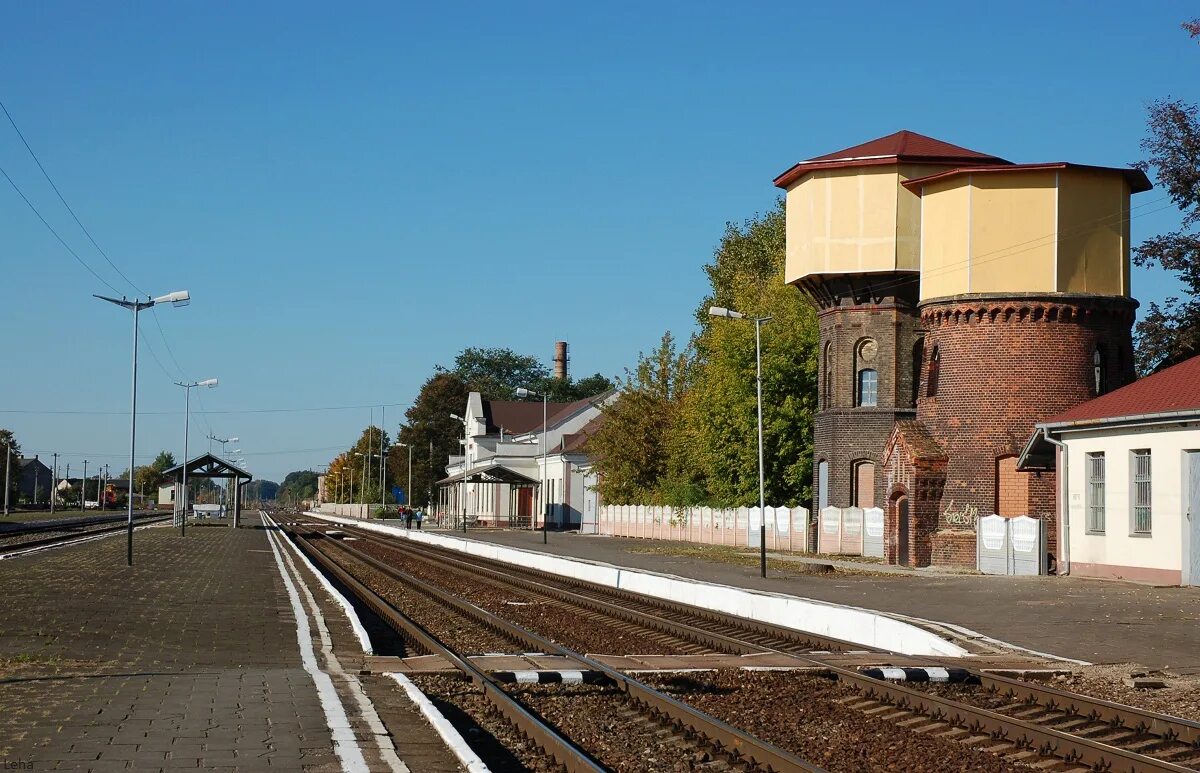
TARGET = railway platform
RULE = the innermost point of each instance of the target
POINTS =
(1097, 621)
(192, 658)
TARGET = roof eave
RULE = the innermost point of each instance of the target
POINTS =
(1187, 414)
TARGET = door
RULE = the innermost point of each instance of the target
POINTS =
(902, 531)
(1191, 522)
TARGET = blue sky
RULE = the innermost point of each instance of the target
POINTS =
(332, 183)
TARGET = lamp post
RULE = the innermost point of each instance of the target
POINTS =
(718, 311)
(466, 444)
(187, 416)
(178, 298)
(7, 472)
(83, 488)
(523, 392)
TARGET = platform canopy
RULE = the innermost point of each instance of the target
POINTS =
(208, 466)
(492, 473)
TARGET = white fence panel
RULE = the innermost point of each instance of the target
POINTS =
(829, 538)
(872, 544)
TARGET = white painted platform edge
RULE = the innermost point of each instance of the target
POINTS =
(867, 627)
(457, 744)
(359, 632)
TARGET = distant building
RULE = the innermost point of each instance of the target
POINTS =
(496, 480)
(1129, 495)
(35, 480)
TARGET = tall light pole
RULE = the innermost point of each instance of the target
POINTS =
(718, 311)
(7, 472)
(83, 488)
(523, 392)
(466, 441)
(54, 483)
(178, 298)
(187, 423)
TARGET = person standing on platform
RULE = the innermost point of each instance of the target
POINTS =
(408, 517)
(420, 517)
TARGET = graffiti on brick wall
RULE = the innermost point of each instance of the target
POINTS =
(964, 517)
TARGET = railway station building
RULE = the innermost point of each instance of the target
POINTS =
(962, 299)
(502, 477)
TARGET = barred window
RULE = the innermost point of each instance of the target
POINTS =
(1095, 493)
(868, 387)
(1141, 492)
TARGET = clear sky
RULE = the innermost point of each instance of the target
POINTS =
(354, 192)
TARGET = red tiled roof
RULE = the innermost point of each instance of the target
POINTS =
(1172, 390)
(903, 146)
(577, 440)
(1137, 179)
(519, 417)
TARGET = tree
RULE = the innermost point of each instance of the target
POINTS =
(431, 433)
(565, 390)
(717, 448)
(301, 484)
(497, 372)
(149, 477)
(261, 489)
(10, 449)
(1170, 333)
(630, 449)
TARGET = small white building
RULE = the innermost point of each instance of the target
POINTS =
(503, 475)
(1129, 479)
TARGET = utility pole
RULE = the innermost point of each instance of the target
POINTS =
(54, 483)
(7, 471)
(35, 479)
(83, 488)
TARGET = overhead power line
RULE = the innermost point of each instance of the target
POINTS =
(314, 409)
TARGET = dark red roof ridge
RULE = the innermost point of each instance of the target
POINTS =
(1173, 390)
(1138, 181)
(902, 146)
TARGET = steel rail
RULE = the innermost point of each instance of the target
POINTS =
(16, 549)
(21, 528)
(790, 640)
(1030, 734)
(721, 736)
(550, 741)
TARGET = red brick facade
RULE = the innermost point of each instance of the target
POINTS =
(1002, 365)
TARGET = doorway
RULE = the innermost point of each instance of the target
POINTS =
(902, 530)
(1191, 521)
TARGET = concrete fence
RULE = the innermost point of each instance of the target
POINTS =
(349, 511)
(850, 531)
(787, 527)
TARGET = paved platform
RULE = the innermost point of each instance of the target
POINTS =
(1093, 620)
(190, 659)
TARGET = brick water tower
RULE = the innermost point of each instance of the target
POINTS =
(962, 299)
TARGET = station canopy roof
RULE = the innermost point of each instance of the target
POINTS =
(208, 466)
(492, 473)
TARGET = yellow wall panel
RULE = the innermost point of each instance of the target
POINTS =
(944, 239)
(1012, 232)
(1093, 252)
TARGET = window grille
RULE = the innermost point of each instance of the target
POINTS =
(868, 387)
(1141, 492)
(1095, 493)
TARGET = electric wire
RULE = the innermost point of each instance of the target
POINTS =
(309, 409)
(58, 193)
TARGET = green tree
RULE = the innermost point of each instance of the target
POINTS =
(1170, 333)
(8, 442)
(149, 477)
(431, 433)
(301, 484)
(496, 372)
(716, 448)
(631, 448)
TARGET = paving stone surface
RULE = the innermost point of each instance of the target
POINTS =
(186, 660)
(1098, 621)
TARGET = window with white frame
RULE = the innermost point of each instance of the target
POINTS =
(1095, 493)
(868, 387)
(1141, 491)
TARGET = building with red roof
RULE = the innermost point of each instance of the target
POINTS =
(1128, 465)
(961, 299)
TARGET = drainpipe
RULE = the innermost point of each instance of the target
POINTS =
(1063, 503)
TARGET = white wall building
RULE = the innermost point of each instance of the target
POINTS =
(1129, 479)
(501, 477)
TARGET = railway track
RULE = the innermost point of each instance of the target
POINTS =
(628, 702)
(17, 542)
(1021, 721)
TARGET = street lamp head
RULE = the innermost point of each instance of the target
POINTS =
(720, 311)
(177, 298)
(208, 382)
(457, 417)
(233, 440)
(523, 392)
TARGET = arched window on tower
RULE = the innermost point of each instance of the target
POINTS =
(935, 367)
(918, 359)
(866, 378)
(1099, 379)
(827, 377)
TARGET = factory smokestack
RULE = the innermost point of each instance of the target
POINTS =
(560, 360)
